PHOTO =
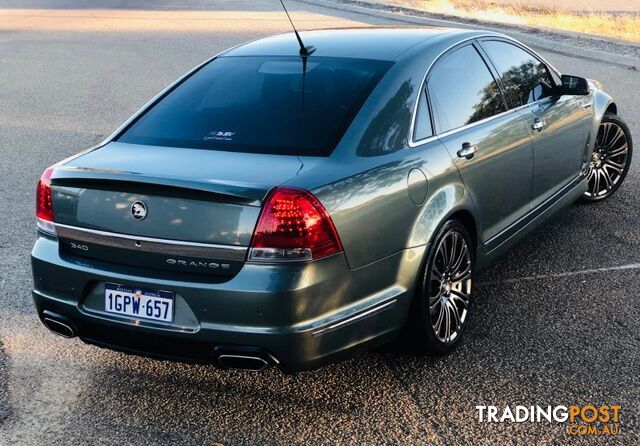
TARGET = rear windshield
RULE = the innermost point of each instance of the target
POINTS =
(261, 105)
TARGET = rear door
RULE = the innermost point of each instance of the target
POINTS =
(559, 125)
(490, 145)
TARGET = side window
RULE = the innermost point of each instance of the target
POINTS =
(524, 78)
(462, 90)
(422, 127)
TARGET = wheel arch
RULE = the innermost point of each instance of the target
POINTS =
(598, 190)
(467, 219)
(602, 104)
(452, 201)
(463, 214)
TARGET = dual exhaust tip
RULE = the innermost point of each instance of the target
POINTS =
(58, 326)
(251, 360)
(243, 362)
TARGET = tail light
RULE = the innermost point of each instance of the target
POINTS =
(44, 203)
(293, 226)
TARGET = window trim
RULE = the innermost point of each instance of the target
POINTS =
(489, 70)
(414, 144)
(423, 87)
(414, 123)
(553, 73)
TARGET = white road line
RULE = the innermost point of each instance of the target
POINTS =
(564, 274)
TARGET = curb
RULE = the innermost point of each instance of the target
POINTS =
(627, 62)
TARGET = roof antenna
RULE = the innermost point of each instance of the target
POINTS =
(304, 50)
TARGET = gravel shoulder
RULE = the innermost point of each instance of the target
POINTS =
(590, 46)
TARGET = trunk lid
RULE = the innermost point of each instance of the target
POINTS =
(200, 206)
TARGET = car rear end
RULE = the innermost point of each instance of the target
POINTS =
(183, 251)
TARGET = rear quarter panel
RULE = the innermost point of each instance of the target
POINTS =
(373, 211)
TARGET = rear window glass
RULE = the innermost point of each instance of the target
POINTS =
(462, 90)
(261, 105)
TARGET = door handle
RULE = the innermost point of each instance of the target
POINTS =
(538, 125)
(467, 151)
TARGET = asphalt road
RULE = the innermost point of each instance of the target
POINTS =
(68, 77)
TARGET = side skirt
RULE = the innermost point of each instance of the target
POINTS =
(499, 244)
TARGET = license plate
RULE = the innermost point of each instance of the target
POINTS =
(138, 303)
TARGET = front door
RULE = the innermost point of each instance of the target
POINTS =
(560, 130)
(559, 125)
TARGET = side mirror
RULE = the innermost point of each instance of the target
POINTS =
(574, 85)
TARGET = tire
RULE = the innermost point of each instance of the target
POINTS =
(434, 296)
(611, 159)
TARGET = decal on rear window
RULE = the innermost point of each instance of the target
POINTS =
(219, 136)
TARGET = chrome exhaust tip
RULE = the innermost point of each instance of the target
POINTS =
(59, 328)
(243, 362)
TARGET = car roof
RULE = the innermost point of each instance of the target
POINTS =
(376, 43)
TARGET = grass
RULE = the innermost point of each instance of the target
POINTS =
(619, 25)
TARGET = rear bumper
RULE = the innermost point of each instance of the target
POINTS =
(299, 316)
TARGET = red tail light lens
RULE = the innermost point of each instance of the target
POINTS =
(293, 226)
(44, 203)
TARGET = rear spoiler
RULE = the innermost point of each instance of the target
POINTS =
(220, 191)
